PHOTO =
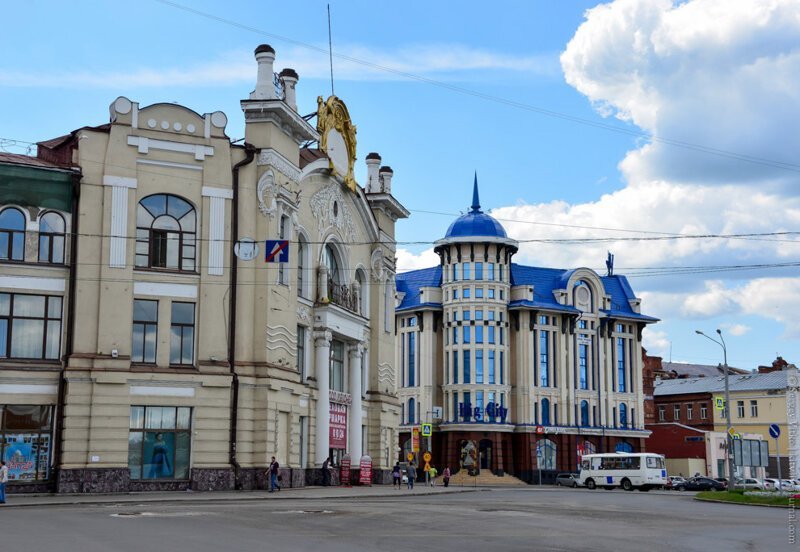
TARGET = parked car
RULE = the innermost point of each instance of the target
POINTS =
(700, 484)
(673, 481)
(789, 485)
(750, 484)
(771, 484)
(723, 480)
(568, 480)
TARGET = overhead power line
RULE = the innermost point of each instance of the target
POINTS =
(497, 99)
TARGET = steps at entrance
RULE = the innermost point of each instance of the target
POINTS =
(485, 479)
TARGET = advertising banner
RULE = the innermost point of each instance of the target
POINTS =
(338, 426)
(345, 475)
(365, 476)
(20, 458)
(415, 439)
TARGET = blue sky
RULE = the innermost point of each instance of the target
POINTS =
(709, 74)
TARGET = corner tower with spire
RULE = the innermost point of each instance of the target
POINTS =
(520, 369)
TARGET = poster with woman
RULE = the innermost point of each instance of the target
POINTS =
(159, 455)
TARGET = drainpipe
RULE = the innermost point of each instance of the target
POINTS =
(250, 152)
(70, 326)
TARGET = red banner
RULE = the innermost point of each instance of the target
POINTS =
(338, 426)
(365, 476)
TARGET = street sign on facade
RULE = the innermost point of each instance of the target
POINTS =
(427, 430)
(774, 431)
(276, 251)
(437, 412)
(719, 403)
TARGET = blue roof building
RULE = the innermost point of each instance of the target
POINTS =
(528, 367)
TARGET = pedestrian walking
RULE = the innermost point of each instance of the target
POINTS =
(326, 473)
(3, 481)
(273, 475)
(397, 475)
(433, 472)
(446, 476)
(412, 475)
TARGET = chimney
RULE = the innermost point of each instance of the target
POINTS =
(265, 88)
(386, 179)
(290, 78)
(373, 183)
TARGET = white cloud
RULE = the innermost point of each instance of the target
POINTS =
(407, 260)
(656, 342)
(737, 329)
(432, 60)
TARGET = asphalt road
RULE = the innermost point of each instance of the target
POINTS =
(488, 520)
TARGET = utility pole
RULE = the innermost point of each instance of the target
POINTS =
(721, 343)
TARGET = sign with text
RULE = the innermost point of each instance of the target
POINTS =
(276, 251)
(493, 413)
(338, 426)
(365, 475)
(346, 468)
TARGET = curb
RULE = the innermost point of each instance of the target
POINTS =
(208, 498)
(741, 503)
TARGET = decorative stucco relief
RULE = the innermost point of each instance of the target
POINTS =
(376, 263)
(282, 341)
(280, 164)
(386, 375)
(328, 207)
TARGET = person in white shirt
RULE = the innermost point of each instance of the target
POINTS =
(3, 481)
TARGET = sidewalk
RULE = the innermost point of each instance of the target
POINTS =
(301, 493)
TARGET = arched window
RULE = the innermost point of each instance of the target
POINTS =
(332, 262)
(623, 415)
(545, 411)
(12, 235)
(302, 263)
(582, 296)
(623, 446)
(166, 233)
(546, 454)
(364, 293)
(411, 410)
(51, 238)
(584, 413)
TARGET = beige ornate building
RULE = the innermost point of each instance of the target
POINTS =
(175, 309)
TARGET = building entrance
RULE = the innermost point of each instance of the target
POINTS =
(485, 449)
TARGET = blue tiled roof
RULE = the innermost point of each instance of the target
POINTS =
(543, 280)
(411, 282)
(475, 224)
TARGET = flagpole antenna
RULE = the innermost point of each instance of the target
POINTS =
(330, 47)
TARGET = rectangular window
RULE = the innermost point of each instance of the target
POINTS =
(703, 412)
(479, 366)
(301, 351)
(454, 415)
(455, 335)
(479, 271)
(501, 367)
(337, 366)
(478, 293)
(740, 409)
(467, 316)
(478, 314)
(491, 368)
(455, 366)
(455, 293)
(30, 326)
(466, 294)
(754, 409)
(467, 407)
(467, 375)
(689, 411)
(662, 413)
(181, 350)
(490, 292)
(467, 334)
(583, 354)
(479, 405)
(25, 441)
(412, 360)
(455, 272)
(502, 332)
(620, 364)
(491, 334)
(490, 271)
(145, 330)
(544, 357)
(479, 334)
(502, 279)
(466, 271)
(159, 442)
(676, 412)
(502, 295)
(447, 367)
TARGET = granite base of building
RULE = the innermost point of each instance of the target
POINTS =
(95, 480)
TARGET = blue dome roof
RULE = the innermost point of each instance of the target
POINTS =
(476, 223)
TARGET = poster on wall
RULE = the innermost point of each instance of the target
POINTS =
(20, 456)
(338, 426)
(159, 455)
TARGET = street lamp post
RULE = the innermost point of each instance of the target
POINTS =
(721, 343)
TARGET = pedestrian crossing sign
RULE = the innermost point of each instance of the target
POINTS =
(427, 430)
(719, 403)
